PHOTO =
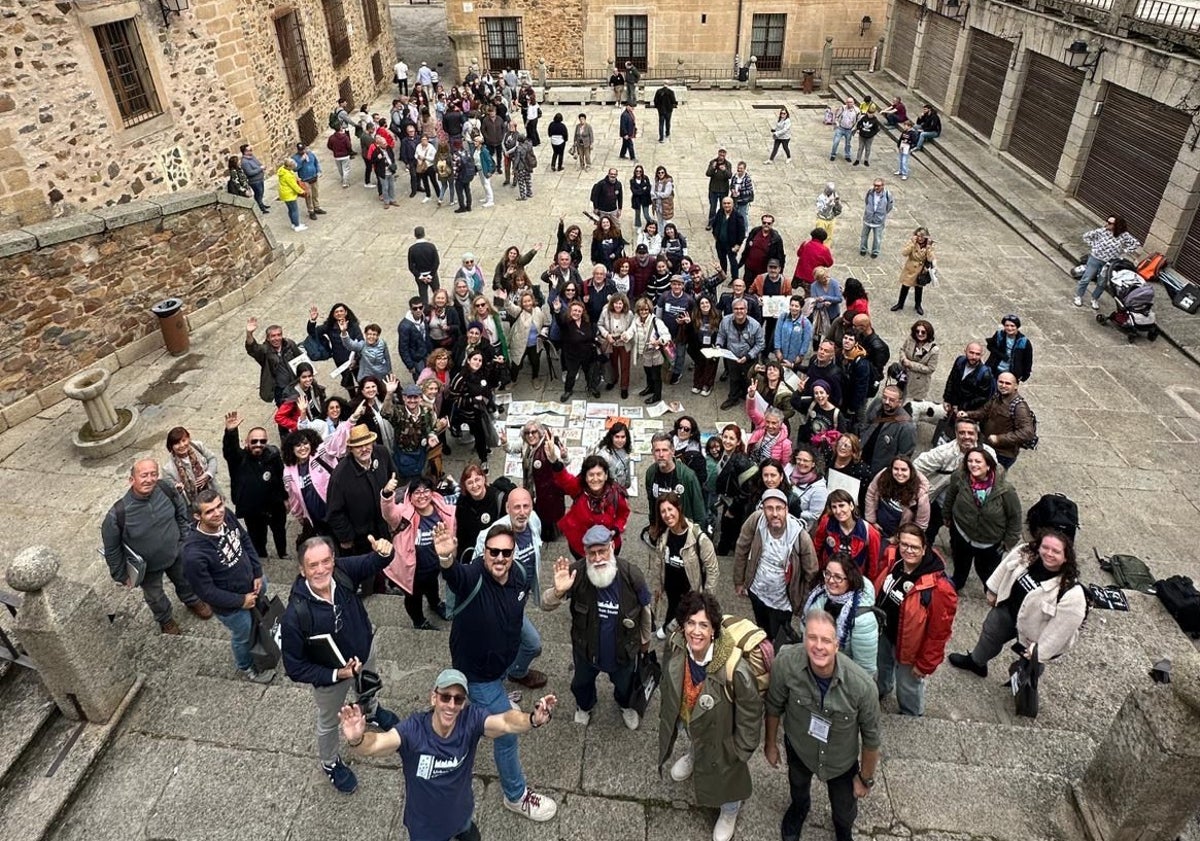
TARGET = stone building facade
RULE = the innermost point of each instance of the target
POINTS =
(580, 38)
(102, 102)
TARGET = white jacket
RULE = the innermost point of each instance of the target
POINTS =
(1052, 623)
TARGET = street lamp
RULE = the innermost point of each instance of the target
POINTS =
(175, 6)
(865, 25)
(1077, 57)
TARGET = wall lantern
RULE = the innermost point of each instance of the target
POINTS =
(955, 9)
(1077, 57)
(175, 6)
(866, 24)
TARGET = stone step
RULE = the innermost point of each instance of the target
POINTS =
(26, 709)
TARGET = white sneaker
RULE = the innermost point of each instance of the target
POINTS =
(583, 717)
(726, 823)
(705, 392)
(298, 228)
(488, 204)
(424, 200)
(632, 719)
(536, 807)
(1095, 304)
(695, 390)
(768, 162)
(661, 633)
(897, 172)
(368, 186)
(1078, 301)
(682, 769)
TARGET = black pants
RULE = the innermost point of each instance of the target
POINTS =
(426, 290)
(478, 427)
(781, 144)
(768, 618)
(935, 521)
(416, 183)
(556, 159)
(369, 169)
(402, 86)
(573, 364)
(841, 798)
(965, 556)
(654, 381)
(531, 132)
(728, 259)
(664, 124)
(917, 293)
(424, 587)
(463, 191)
(535, 363)
(257, 523)
(739, 377)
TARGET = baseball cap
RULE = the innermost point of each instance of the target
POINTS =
(448, 678)
(412, 391)
(774, 493)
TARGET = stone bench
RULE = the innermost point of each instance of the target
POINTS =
(570, 95)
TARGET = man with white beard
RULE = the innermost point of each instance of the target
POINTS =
(610, 621)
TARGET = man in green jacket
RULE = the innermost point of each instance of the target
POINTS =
(667, 474)
(829, 706)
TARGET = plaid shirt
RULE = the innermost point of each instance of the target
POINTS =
(1107, 247)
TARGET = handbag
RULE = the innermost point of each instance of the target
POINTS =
(422, 165)
(265, 633)
(927, 275)
(667, 348)
(1023, 679)
(647, 677)
(316, 349)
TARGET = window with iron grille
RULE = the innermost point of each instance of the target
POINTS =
(377, 66)
(502, 43)
(128, 71)
(294, 52)
(631, 40)
(371, 18)
(766, 40)
(346, 92)
(335, 25)
(306, 127)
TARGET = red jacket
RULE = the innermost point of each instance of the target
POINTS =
(864, 545)
(926, 614)
(610, 511)
(809, 255)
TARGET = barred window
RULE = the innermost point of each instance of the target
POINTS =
(766, 40)
(631, 40)
(376, 66)
(128, 71)
(335, 25)
(371, 18)
(294, 52)
(502, 43)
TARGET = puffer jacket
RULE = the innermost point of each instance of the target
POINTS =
(863, 646)
(864, 544)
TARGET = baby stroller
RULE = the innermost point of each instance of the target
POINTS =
(1134, 298)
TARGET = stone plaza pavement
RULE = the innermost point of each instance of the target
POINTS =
(202, 755)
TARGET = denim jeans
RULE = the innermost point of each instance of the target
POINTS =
(925, 135)
(742, 209)
(1094, 264)
(493, 697)
(842, 135)
(240, 626)
(583, 683)
(910, 690)
(875, 234)
(531, 647)
(903, 165)
(680, 362)
(293, 208)
(664, 124)
(257, 187)
(388, 192)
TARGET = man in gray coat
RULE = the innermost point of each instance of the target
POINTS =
(888, 431)
(742, 336)
(875, 212)
(143, 537)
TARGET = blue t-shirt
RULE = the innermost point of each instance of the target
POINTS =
(427, 562)
(438, 801)
(608, 608)
(525, 556)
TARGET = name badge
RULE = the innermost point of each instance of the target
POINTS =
(818, 728)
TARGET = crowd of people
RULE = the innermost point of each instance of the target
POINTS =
(814, 496)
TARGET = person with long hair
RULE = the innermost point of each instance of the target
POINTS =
(919, 603)
(1036, 596)
(650, 334)
(640, 196)
(1107, 243)
(650, 237)
(662, 196)
(673, 246)
(842, 529)
(570, 240)
(578, 337)
(897, 495)
(539, 450)
(443, 322)
(724, 731)
(771, 390)
(528, 324)
(512, 262)
(371, 395)
(341, 319)
(415, 568)
(494, 338)
(701, 333)
(191, 467)
(736, 485)
(473, 392)
(918, 360)
(983, 512)
(846, 595)
(845, 456)
(781, 135)
(607, 242)
(598, 501)
(306, 405)
(615, 329)
(616, 448)
(308, 462)
(682, 560)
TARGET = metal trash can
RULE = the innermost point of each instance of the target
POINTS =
(173, 325)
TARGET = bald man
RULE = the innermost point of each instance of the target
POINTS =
(142, 535)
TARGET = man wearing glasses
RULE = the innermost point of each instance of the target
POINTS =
(485, 639)
(326, 640)
(256, 477)
(437, 751)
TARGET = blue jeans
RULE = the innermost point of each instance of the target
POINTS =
(742, 209)
(583, 683)
(910, 690)
(388, 183)
(531, 647)
(680, 357)
(841, 134)
(256, 187)
(905, 157)
(1094, 264)
(493, 697)
(876, 235)
(240, 627)
(925, 135)
(293, 207)
(664, 125)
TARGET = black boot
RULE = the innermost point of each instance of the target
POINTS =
(903, 297)
(967, 663)
(917, 293)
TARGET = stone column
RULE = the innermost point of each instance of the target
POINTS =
(1006, 110)
(957, 75)
(1144, 781)
(827, 63)
(752, 73)
(877, 62)
(1179, 203)
(65, 629)
(1079, 137)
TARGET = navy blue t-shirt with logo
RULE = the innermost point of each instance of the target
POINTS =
(438, 801)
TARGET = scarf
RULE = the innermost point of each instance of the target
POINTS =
(981, 487)
(721, 649)
(845, 621)
(799, 479)
(189, 469)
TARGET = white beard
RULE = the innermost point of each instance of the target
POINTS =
(602, 577)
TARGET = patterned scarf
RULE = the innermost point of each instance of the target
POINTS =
(845, 621)
(722, 648)
(981, 487)
(189, 469)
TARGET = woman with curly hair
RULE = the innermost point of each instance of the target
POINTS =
(570, 240)
(918, 360)
(607, 242)
(512, 262)
(341, 319)
(897, 495)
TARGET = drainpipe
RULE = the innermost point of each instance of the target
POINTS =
(737, 40)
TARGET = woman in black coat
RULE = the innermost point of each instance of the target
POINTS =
(472, 393)
(578, 337)
(329, 333)
(557, 132)
(639, 196)
(607, 243)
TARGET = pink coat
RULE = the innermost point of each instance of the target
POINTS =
(403, 567)
(320, 465)
(782, 450)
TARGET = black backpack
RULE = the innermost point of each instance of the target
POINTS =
(1181, 599)
(1032, 443)
(1053, 511)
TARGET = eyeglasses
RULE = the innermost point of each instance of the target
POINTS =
(532, 433)
(337, 618)
(834, 577)
(498, 553)
(420, 492)
(482, 305)
(258, 440)
(417, 308)
(910, 547)
(468, 262)
(683, 429)
(452, 698)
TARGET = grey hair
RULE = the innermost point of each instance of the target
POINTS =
(662, 436)
(820, 614)
(313, 543)
(773, 412)
(830, 189)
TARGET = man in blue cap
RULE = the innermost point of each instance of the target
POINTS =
(437, 750)
(610, 621)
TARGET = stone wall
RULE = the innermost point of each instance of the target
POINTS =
(219, 78)
(552, 30)
(77, 291)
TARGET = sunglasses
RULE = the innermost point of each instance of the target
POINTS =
(683, 429)
(258, 440)
(452, 698)
(499, 553)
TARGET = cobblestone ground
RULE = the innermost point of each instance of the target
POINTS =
(1118, 427)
